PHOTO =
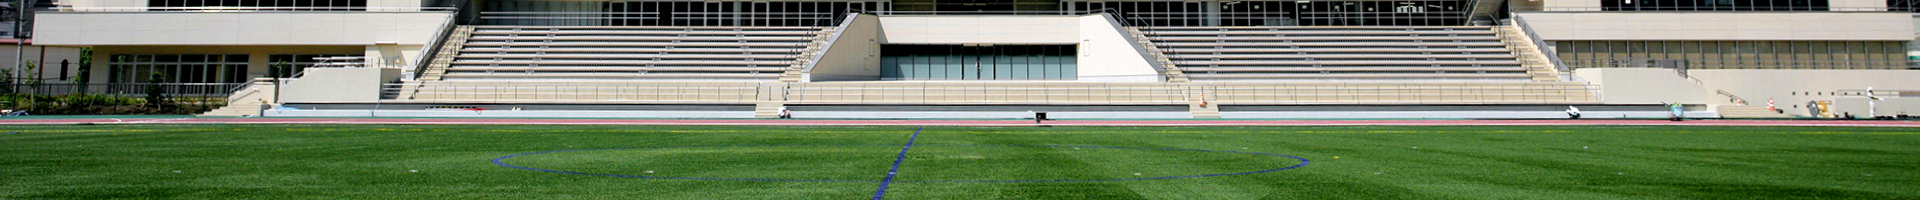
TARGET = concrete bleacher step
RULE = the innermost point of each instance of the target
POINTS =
(234, 110)
(1464, 53)
(636, 53)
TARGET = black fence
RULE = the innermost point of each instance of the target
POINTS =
(178, 90)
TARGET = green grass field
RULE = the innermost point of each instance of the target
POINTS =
(1363, 162)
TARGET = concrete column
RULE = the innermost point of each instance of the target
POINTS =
(1213, 13)
(388, 56)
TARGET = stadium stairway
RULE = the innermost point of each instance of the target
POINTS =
(1538, 64)
(1382, 54)
(620, 54)
(246, 101)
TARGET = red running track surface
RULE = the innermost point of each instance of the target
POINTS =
(784, 122)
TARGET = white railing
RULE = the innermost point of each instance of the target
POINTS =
(432, 48)
(578, 92)
(216, 9)
(961, 93)
(828, 45)
(1706, 9)
(1685, 64)
(1553, 55)
(1436, 93)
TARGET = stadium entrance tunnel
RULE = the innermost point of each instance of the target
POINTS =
(927, 163)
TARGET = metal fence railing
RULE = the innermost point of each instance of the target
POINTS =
(962, 93)
(1442, 93)
(1705, 9)
(127, 89)
(577, 92)
(1683, 64)
(249, 9)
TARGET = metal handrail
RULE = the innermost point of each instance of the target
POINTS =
(1553, 56)
(1776, 64)
(127, 89)
(251, 9)
(1706, 9)
(433, 46)
(821, 53)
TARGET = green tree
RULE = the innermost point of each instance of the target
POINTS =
(157, 95)
(29, 73)
(6, 81)
(84, 75)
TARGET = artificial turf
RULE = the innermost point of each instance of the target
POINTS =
(1349, 162)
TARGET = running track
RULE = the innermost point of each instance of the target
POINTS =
(1862, 123)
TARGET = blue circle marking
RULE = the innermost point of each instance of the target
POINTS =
(499, 161)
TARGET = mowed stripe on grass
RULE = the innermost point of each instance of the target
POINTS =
(1373, 162)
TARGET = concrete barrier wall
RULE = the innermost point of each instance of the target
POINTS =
(1644, 86)
(980, 29)
(855, 56)
(1886, 107)
(338, 85)
(1789, 89)
(1108, 53)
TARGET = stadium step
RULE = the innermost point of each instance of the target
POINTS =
(767, 110)
(1537, 64)
(449, 50)
(1319, 54)
(629, 53)
(245, 101)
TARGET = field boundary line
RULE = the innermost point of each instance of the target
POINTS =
(882, 192)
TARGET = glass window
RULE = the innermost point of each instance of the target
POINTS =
(997, 62)
(177, 68)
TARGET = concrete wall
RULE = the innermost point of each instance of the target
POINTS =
(256, 55)
(1857, 5)
(49, 66)
(854, 56)
(1109, 54)
(261, 28)
(338, 85)
(392, 56)
(963, 29)
(1886, 107)
(1721, 26)
(1644, 86)
(1784, 86)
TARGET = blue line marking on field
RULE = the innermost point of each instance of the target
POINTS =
(501, 161)
(498, 161)
(896, 164)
